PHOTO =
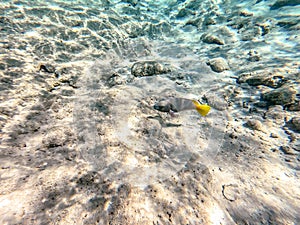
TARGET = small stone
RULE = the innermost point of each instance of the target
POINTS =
(212, 39)
(148, 68)
(273, 135)
(47, 68)
(295, 106)
(296, 122)
(114, 80)
(255, 124)
(253, 56)
(287, 150)
(209, 21)
(218, 65)
(281, 96)
(246, 14)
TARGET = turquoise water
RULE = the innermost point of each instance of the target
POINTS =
(71, 98)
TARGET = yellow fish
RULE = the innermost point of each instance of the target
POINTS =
(172, 105)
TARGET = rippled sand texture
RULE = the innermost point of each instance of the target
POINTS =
(81, 144)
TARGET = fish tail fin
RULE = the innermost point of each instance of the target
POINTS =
(201, 109)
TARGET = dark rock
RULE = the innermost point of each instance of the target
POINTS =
(212, 39)
(246, 14)
(114, 80)
(274, 135)
(296, 123)
(281, 96)
(218, 65)
(253, 56)
(261, 104)
(295, 106)
(250, 33)
(183, 13)
(193, 4)
(148, 68)
(195, 22)
(11, 62)
(287, 150)
(47, 68)
(282, 3)
(265, 78)
(209, 21)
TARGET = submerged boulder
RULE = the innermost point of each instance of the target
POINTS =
(266, 78)
(281, 96)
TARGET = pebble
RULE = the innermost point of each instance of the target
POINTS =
(218, 64)
(253, 56)
(47, 68)
(212, 39)
(148, 68)
(287, 150)
(296, 122)
(255, 124)
(273, 135)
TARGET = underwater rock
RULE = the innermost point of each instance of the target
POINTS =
(114, 80)
(47, 68)
(287, 150)
(211, 39)
(296, 122)
(216, 101)
(218, 65)
(295, 106)
(276, 114)
(250, 33)
(282, 3)
(183, 13)
(281, 96)
(266, 78)
(246, 13)
(194, 22)
(209, 21)
(255, 124)
(253, 56)
(148, 68)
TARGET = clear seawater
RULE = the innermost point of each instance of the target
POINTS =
(98, 39)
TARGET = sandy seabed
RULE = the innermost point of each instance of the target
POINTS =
(80, 142)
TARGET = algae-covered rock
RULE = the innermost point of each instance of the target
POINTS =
(148, 68)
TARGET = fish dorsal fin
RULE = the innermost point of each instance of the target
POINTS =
(201, 109)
